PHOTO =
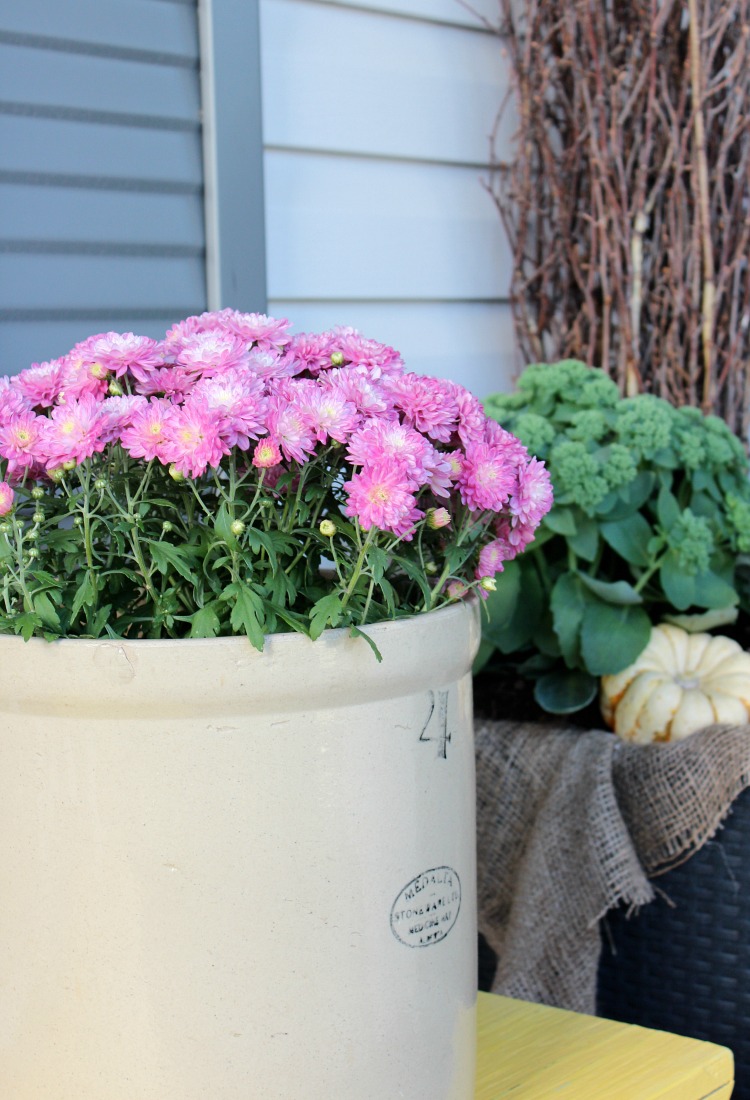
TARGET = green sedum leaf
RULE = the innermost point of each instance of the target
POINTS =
(612, 636)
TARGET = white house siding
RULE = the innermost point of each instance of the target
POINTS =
(376, 122)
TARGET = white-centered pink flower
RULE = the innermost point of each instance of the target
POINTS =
(380, 496)
(73, 432)
(42, 383)
(146, 435)
(192, 441)
(6, 498)
(211, 353)
(20, 439)
(122, 352)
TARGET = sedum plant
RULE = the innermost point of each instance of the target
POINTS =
(235, 479)
(651, 522)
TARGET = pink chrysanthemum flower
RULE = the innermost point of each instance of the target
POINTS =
(268, 364)
(117, 413)
(386, 442)
(488, 477)
(12, 400)
(255, 328)
(81, 375)
(308, 351)
(266, 454)
(362, 352)
(330, 414)
(146, 435)
(212, 353)
(471, 416)
(173, 382)
(428, 404)
(380, 496)
(497, 436)
(20, 439)
(123, 352)
(6, 498)
(365, 392)
(516, 534)
(491, 558)
(236, 400)
(533, 497)
(41, 383)
(192, 441)
(440, 473)
(73, 432)
(179, 333)
(289, 427)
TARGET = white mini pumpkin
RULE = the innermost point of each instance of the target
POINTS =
(680, 683)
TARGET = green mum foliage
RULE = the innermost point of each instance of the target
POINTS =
(651, 521)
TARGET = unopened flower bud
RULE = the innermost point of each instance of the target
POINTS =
(100, 484)
(38, 517)
(430, 568)
(237, 527)
(37, 493)
(337, 359)
(175, 474)
(489, 584)
(115, 389)
(327, 528)
(69, 464)
(437, 518)
(77, 521)
(57, 474)
(33, 553)
(5, 527)
(167, 527)
(457, 590)
(32, 535)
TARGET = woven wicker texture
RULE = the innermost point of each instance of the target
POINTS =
(685, 966)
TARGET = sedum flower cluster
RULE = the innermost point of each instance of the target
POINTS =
(233, 478)
(651, 521)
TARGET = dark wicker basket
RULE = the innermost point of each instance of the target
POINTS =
(687, 968)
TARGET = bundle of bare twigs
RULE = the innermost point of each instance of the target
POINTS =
(627, 203)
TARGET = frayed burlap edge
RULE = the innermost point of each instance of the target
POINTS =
(571, 823)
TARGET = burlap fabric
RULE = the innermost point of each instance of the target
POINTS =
(571, 823)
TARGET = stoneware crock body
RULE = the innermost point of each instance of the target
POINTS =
(239, 875)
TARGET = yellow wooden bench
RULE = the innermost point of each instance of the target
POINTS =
(532, 1052)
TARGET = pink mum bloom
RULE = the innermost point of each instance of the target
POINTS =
(380, 496)
(120, 352)
(6, 498)
(289, 427)
(330, 414)
(516, 534)
(308, 351)
(268, 364)
(146, 435)
(236, 400)
(427, 403)
(491, 558)
(266, 454)
(117, 413)
(41, 383)
(214, 352)
(386, 442)
(488, 477)
(362, 352)
(12, 400)
(471, 416)
(81, 375)
(440, 473)
(73, 432)
(20, 438)
(362, 389)
(170, 381)
(179, 333)
(533, 497)
(192, 441)
(255, 328)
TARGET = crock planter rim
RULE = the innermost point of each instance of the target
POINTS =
(80, 676)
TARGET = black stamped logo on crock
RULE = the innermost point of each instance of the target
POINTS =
(426, 909)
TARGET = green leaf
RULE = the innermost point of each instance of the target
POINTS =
(85, 596)
(100, 622)
(526, 614)
(585, 542)
(629, 537)
(25, 624)
(377, 563)
(205, 622)
(247, 613)
(633, 496)
(223, 526)
(618, 592)
(45, 609)
(565, 691)
(568, 601)
(560, 520)
(612, 636)
(667, 508)
(679, 586)
(501, 603)
(712, 591)
(257, 539)
(415, 573)
(355, 632)
(326, 610)
(167, 556)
